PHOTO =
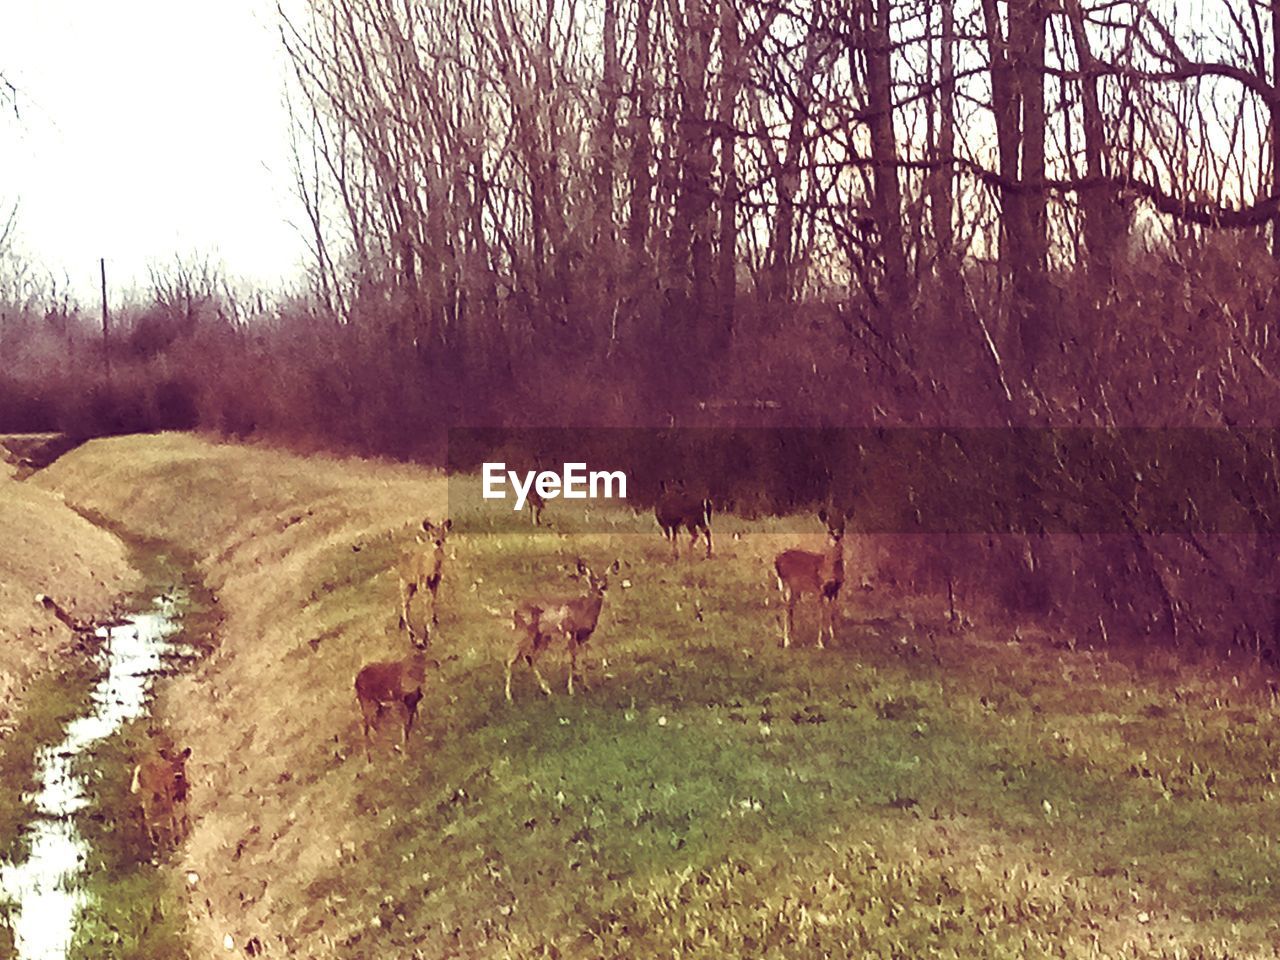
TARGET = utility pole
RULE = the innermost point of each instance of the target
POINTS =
(106, 321)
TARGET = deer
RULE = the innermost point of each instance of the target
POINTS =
(160, 784)
(536, 505)
(538, 623)
(386, 682)
(802, 572)
(421, 570)
(676, 509)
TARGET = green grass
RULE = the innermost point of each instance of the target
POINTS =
(712, 794)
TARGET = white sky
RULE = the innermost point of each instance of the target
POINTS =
(148, 128)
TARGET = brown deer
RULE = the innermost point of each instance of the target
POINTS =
(421, 570)
(539, 622)
(802, 572)
(387, 682)
(160, 784)
(536, 505)
(676, 509)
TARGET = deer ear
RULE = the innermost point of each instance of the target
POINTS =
(447, 525)
(582, 567)
(616, 566)
(185, 753)
(822, 514)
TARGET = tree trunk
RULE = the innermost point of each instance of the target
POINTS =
(641, 173)
(942, 202)
(1275, 125)
(1099, 230)
(690, 238)
(605, 228)
(726, 279)
(887, 201)
(1017, 95)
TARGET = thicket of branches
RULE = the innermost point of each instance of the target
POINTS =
(965, 212)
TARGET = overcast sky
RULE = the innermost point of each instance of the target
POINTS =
(148, 128)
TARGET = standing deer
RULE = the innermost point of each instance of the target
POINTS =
(387, 682)
(536, 505)
(802, 572)
(160, 784)
(538, 623)
(421, 571)
(676, 509)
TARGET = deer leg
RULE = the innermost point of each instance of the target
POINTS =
(537, 640)
(789, 599)
(407, 590)
(582, 675)
(577, 646)
(150, 814)
(706, 532)
(511, 663)
(410, 714)
(368, 724)
(546, 688)
(824, 621)
(144, 822)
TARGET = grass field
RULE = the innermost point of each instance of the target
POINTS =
(914, 792)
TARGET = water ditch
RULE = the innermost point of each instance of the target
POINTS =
(47, 889)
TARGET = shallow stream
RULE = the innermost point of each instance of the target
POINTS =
(45, 889)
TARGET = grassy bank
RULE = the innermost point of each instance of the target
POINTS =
(910, 793)
(46, 547)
